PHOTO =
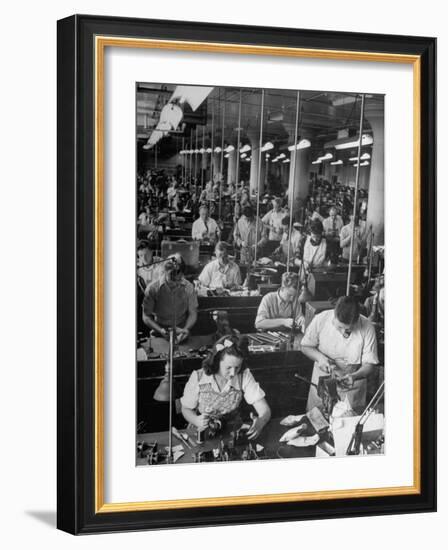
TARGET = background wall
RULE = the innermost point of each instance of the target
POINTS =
(28, 270)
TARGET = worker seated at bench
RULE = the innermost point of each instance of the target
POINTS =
(281, 309)
(171, 301)
(221, 272)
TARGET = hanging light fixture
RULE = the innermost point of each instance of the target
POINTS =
(285, 161)
(317, 162)
(245, 148)
(170, 117)
(267, 146)
(303, 144)
(365, 156)
(202, 151)
(229, 149)
(350, 143)
(226, 156)
(327, 156)
(281, 156)
(336, 162)
(208, 150)
(217, 149)
(244, 155)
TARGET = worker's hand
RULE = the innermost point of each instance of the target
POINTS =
(255, 430)
(326, 365)
(182, 334)
(202, 421)
(346, 382)
(287, 323)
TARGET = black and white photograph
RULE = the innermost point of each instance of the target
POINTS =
(260, 274)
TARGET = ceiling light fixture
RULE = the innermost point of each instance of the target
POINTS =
(267, 146)
(303, 144)
(349, 143)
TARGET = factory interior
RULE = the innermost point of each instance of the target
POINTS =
(260, 274)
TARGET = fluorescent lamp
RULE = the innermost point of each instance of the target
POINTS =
(218, 149)
(327, 156)
(365, 156)
(267, 146)
(303, 144)
(285, 161)
(170, 117)
(202, 151)
(245, 148)
(317, 162)
(229, 149)
(336, 162)
(208, 150)
(281, 156)
(194, 95)
(244, 155)
(349, 143)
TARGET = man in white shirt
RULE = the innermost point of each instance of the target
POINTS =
(333, 224)
(273, 221)
(281, 309)
(205, 228)
(342, 343)
(246, 235)
(293, 242)
(346, 239)
(222, 272)
(315, 249)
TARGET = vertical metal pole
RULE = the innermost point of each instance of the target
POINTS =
(355, 200)
(155, 156)
(222, 155)
(212, 143)
(196, 165)
(202, 160)
(183, 161)
(238, 146)
(292, 187)
(170, 378)
(258, 174)
(191, 156)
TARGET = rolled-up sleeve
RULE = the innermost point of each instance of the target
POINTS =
(251, 388)
(263, 310)
(205, 276)
(189, 399)
(149, 300)
(369, 350)
(192, 298)
(311, 336)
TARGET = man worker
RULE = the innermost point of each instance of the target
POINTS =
(341, 342)
(281, 309)
(205, 228)
(221, 272)
(171, 301)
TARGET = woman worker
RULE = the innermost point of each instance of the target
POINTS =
(342, 343)
(216, 391)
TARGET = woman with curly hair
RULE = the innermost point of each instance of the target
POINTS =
(216, 391)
